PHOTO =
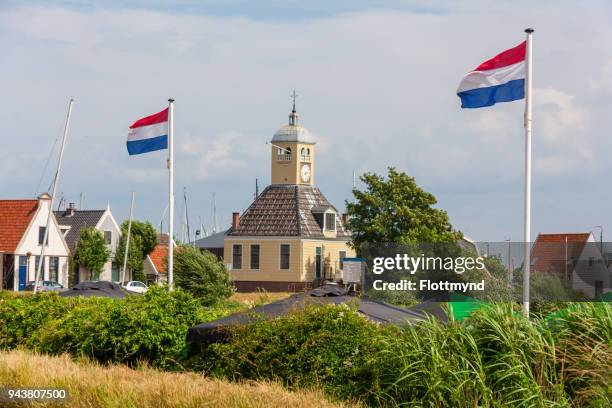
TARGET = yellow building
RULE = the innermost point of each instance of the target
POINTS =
(290, 237)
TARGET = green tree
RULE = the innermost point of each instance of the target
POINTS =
(92, 252)
(396, 210)
(143, 239)
(201, 274)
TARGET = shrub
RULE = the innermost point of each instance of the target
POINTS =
(494, 358)
(328, 346)
(202, 275)
(150, 328)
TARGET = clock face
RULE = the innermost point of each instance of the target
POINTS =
(305, 173)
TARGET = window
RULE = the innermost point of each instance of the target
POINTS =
(237, 257)
(41, 235)
(42, 271)
(108, 237)
(54, 268)
(330, 222)
(285, 256)
(283, 154)
(254, 256)
(341, 256)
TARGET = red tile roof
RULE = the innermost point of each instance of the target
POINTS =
(550, 252)
(159, 257)
(15, 216)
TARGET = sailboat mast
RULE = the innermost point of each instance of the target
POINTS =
(53, 193)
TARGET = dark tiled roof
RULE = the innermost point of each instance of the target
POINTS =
(211, 241)
(286, 210)
(79, 220)
(15, 216)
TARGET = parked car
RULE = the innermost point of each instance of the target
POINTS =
(135, 286)
(44, 286)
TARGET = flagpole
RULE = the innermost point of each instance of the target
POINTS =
(170, 194)
(41, 261)
(127, 242)
(528, 123)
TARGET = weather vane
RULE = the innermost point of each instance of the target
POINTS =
(293, 96)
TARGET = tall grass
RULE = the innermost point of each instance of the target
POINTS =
(90, 385)
(496, 358)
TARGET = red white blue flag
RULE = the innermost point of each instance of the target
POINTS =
(500, 79)
(149, 134)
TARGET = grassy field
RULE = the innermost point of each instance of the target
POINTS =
(92, 385)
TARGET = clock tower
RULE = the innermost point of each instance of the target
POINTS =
(293, 153)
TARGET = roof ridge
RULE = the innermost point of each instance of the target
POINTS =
(298, 218)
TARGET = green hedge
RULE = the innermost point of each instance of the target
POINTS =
(150, 328)
(495, 358)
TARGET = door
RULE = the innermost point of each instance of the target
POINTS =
(318, 263)
(23, 272)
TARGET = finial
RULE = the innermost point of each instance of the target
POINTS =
(293, 96)
(293, 117)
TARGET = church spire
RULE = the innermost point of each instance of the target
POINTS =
(293, 116)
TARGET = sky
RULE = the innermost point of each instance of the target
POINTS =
(376, 82)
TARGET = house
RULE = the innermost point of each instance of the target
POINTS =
(576, 257)
(291, 237)
(72, 221)
(22, 231)
(212, 243)
(156, 262)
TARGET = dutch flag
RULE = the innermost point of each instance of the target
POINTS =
(149, 134)
(500, 79)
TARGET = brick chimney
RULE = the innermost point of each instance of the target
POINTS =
(345, 218)
(235, 220)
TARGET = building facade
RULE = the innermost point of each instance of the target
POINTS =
(22, 230)
(72, 221)
(291, 237)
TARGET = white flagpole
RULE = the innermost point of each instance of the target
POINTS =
(528, 122)
(55, 181)
(170, 194)
(127, 241)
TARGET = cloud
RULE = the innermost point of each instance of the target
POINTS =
(563, 129)
(376, 84)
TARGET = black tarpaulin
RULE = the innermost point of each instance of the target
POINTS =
(99, 288)
(374, 310)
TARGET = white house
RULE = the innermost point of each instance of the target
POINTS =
(22, 229)
(72, 221)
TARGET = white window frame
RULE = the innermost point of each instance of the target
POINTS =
(280, 257)
(241, 256)
(111, 236)
(325, 214)
(251, 257)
